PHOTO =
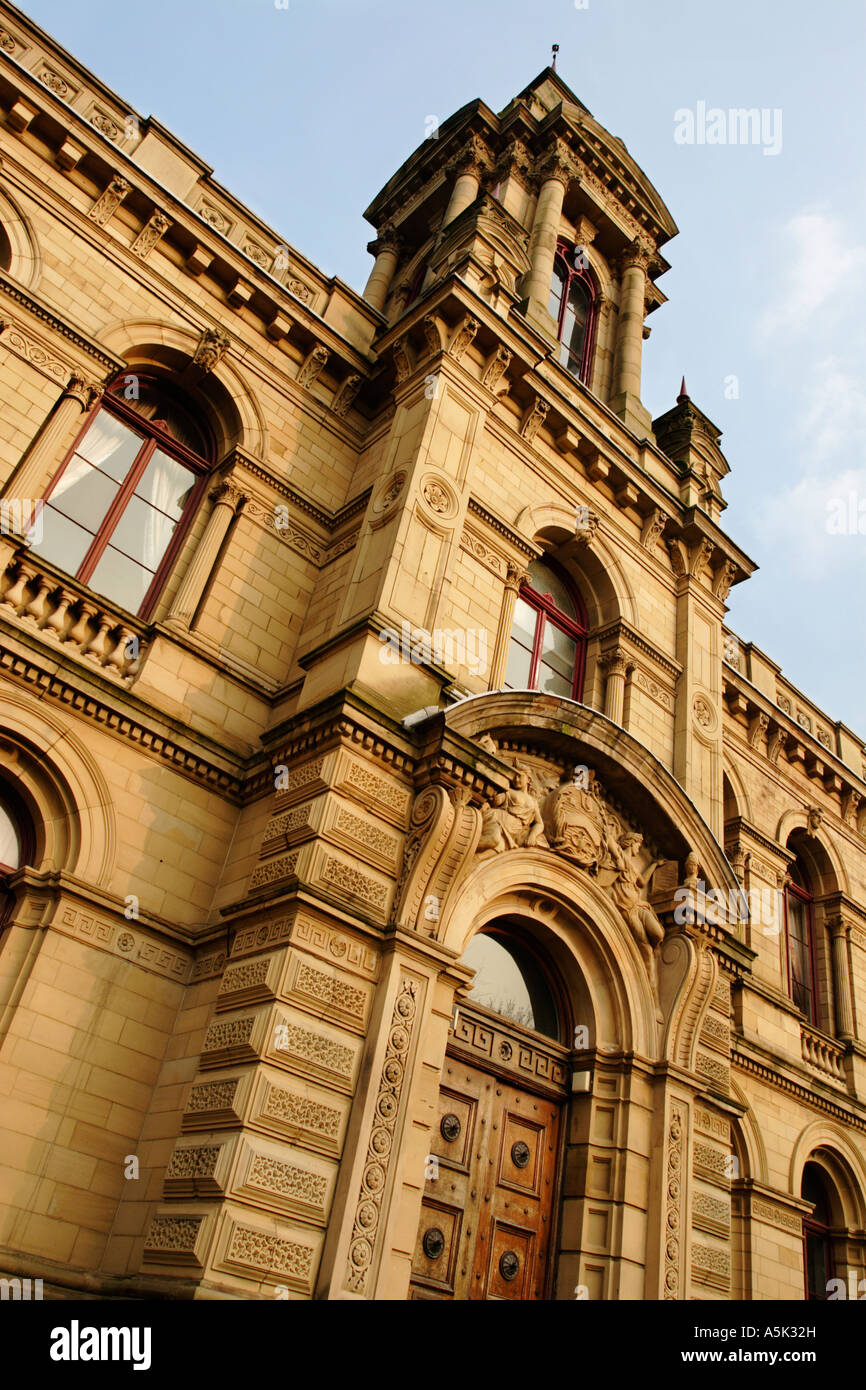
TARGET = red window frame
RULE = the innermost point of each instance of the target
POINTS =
(564, 261)
(546, 610)
(153, 437)
(806, 898)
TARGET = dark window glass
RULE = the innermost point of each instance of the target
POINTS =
(798, 923)
(509, 981)
(548, 636)
(571, 305)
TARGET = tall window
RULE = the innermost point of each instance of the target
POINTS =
(548, 639)
(572, 305)
(799, 938)
(16, 846)
(115, 512)
(817, 1246)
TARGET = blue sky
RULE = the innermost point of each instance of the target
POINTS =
(306, 111)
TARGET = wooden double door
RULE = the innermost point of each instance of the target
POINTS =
(488, 1216)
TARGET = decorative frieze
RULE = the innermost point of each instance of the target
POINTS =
(281, 1260)
(175, 1240)
(672, 1234)
(381, 1140)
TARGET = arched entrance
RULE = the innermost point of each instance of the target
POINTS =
(489, 1212)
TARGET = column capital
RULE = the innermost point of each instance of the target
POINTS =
(387, 239)
(86, 393)
(473, 157)
(638, 255)
(615, 662)
(515, 576)
(515, 162)
(228, 493)
(556, 162)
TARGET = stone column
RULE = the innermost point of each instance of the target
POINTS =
(386, 249)
(52, 442)
(555, 170)
(228, 500)
(617, 666)
(838, 930)
(625, 397)
(514, 578)
(470, 164)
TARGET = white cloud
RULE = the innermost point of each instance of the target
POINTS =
(819, 265)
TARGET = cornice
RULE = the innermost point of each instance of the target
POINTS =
(766, 1071)
(88, 704)
(40, 310)
(514, 539)
(621, 630)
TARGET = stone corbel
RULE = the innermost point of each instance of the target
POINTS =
(534, 418)
(443, 833)
(653, 528)
(313, 366)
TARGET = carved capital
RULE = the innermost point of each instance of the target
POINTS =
(87, 393)
(515, 576)
(514, 162)
(638, 255)
(556, 162)
(228, 494)
(615, 662)
(473, 158)
(388, 239)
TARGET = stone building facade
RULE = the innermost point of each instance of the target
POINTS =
(351, 645)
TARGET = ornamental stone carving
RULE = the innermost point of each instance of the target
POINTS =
(346, 394)
(313, 366)
(463, 337)
(496, 368)
(513, 820)
(108, 202)
(534, 419)
(652, 529)
(212, 348)
(557, 162)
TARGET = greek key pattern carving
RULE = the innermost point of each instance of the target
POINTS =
(271, 1254)
(381, 1139)
(342, 948)
(673, 1201)
(352, 881)
(713, 1124)
(327, 990)
(776, 1216)
(144, 951)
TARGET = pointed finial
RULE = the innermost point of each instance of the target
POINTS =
(555, 51)
(684, 395)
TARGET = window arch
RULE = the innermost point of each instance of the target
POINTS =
(511, 981)
(800, 940)
(572, 305)
(548, 637)
(17, 845)
(818, 1262)
(116, 511)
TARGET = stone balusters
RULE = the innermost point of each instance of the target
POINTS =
(79, 624)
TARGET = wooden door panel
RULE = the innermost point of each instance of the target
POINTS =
(491, 1204)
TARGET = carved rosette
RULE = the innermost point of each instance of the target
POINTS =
(380, 1144)
(671, 1235)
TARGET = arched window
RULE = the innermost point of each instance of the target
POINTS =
(511, 982)
(799, 940)
(16, 845)
(572, 305)
(548, 639)
(116, 511)
(817, 1247)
